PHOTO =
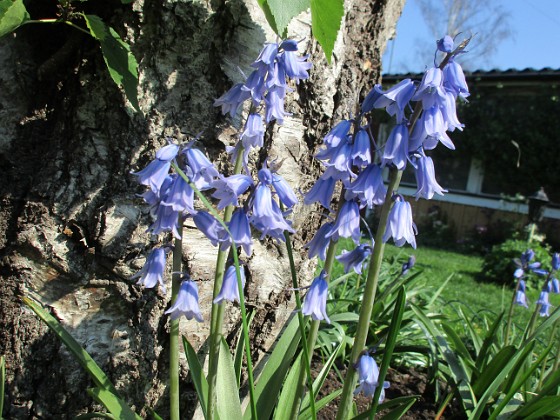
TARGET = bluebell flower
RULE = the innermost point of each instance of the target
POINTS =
(520, 295)
(296, 67)
(240, 230)
(320, 242)
(266, 58)
(449, 112)
(153, 199)
(157, 170)
(230, 290)
(255, 86)
(527, 256)
(166, 220)
(276, 77)
(408, 265)
(338, 133)
(361, 153)
(368, 377)
(186, 302)
(555, 261)
(340, 158)
(426, 179)
(266, 215)
(430, 90)
(445, 44)
(555, 285)
(285, 193)
(180, 195)
(228, 189)
(321, 192)
(203, 171)
(396, 99)
(152, 273)
(429, 130)
(396, 149)
(400, 225)
(333, 148)
(315, 301)
(209, 226)
(545, 305)
(371, 98)
(355, 258)
(274, 103)
(232, 99)
(454, 79)
(347, 223)
(253, 134)
(289, 45)
(524, 263)
(368, 187)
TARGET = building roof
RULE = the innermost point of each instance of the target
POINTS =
(510, 76)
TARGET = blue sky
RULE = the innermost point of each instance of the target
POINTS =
(536, 43)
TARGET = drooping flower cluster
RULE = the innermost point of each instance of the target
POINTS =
(550, 285)
(352, 158)
(268, 83)
(178, 170)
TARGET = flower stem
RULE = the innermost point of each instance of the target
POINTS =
(305, 347)
(510, 314)
(370, 290)
(217, 317)
(174, 328)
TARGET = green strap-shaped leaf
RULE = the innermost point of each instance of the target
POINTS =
(458, 373)
(122, 65)
(319, 405)
(114, 404)
(2, 381)
(228, 405)
(397, 406)
(284, 11)
(326, 18)
(13, 14)
(289, 389)
(84, 359)
(197, 375)
(272, 376)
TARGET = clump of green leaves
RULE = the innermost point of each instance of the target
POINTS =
(120, 61)
(498, 265)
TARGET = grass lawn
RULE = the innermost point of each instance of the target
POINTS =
(463, 290)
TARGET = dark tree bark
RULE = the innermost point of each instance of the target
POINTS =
(72, 231)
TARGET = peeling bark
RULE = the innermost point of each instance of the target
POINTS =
(72, 231)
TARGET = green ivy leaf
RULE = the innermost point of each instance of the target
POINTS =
(121, 63)
(284, 11)
(13, 14)
(326, 18)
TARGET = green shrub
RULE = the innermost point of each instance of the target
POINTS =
(498, 265)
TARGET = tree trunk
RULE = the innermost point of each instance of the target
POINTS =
(72, 230)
